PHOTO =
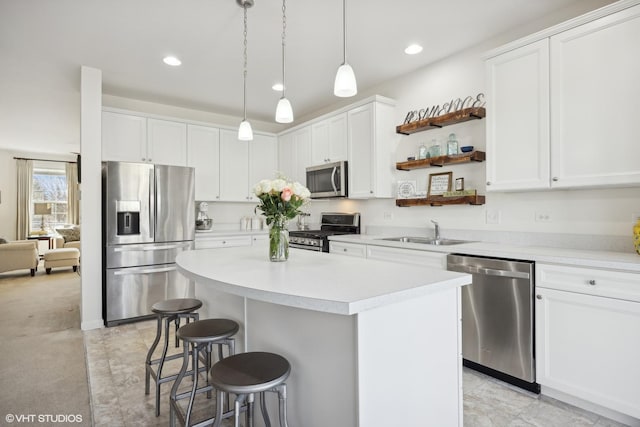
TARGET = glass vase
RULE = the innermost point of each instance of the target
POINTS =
(279, 241)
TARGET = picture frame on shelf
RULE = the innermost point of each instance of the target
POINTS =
(406, 189)
(459, 184)
(439, 183)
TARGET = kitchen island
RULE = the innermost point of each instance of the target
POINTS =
(371, 343)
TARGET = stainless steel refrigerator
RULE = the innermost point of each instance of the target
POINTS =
(147, 219)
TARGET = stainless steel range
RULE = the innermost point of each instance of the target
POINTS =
(331, 224)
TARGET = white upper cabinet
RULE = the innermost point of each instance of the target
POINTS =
(371, 144)
(203, 154)
(166, 142)
(124, 137)
(294, 154)
(131, 138)
(595, 98)
(329, 140)
(263, 161)
(518, 119)
(562, 109)
(244, 163)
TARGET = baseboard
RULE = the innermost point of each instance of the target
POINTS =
(589, 406)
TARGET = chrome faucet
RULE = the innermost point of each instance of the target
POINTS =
(437, 230)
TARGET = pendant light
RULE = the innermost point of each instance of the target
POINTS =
(345, 84)
(245, 133)
(284, 112)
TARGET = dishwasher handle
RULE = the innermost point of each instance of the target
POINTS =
(473, 269)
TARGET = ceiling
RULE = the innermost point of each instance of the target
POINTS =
(43, 44)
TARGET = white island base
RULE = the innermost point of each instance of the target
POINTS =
(396, 363)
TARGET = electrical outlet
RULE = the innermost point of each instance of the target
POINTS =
(492, 216)
(387, 216)
(543, 217)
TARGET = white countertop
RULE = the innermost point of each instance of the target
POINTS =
(575, 257)
(311, 280)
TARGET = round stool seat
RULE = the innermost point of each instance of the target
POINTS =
(176, 306)
(207, 330)
(252, 372)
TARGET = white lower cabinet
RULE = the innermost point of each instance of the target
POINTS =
(223, 241)
(587, 341)
(349, 249)
(408, 256)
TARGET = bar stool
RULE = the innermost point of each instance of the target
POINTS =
(246, 374)
(167, 311)
(201, 336)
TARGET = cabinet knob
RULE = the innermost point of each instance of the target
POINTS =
(370, 191)
(554, 179)
(344, 249)
(150, 159)
(488, 182)
(539, 296)
(591, 282)
(217, 197)
(224, 242)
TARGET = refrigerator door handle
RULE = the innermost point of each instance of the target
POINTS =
(131, 271)
(152, 203)
(151, 248)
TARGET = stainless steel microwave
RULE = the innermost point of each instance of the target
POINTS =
(328, 180)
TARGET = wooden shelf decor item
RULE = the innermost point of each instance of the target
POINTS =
(441, 201)
(474, 156)
(464, 115)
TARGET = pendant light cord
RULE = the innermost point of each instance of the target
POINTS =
(245, 62)
(284, 33)
(344, 31)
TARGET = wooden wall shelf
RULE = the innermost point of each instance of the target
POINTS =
(441, 201)
(442, 121)
(475, 156)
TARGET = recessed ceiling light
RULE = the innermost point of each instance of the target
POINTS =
(413, 49)
(171, 60)
(277, 87)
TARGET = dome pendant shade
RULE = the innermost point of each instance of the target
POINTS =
(284, 112)
(245, 133)
(345, 84)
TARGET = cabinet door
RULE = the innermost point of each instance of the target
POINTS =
(329, 140)
(588, 347)
(203, 154)
(167, 142)
(222, 242)
(263, 161)
(348, 249)
(361, 142)
(124, 137)
(234, 167)
(408, 256)
(518, 123)
(303, 143)
(287, 152)
(595, 97)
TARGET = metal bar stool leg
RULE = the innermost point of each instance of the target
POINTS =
(147, 376)
(263, 409)
(282, 398)
(176, 385)
(195, 350)
(219, 398)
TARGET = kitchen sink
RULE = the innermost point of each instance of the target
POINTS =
(426, 240)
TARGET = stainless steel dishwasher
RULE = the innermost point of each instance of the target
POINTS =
(498, 318)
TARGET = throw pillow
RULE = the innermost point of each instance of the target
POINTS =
(69, 234)
(2, 240)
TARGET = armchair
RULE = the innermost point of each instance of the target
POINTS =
(18, 255)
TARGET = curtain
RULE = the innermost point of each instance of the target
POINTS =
(25, 178)
(73, 204)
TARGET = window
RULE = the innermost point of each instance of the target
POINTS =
(49, 186)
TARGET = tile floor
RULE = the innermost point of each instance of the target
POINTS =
(116, 371)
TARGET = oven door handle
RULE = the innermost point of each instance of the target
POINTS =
(333, 179)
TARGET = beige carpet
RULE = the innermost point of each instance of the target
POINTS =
(43, 376)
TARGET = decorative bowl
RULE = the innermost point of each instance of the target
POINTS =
(466, 148)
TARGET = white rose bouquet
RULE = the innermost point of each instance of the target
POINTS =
(280, 200)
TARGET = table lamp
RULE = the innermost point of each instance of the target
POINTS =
(42, 209)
